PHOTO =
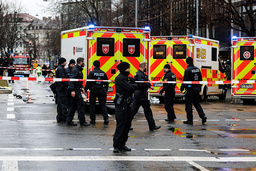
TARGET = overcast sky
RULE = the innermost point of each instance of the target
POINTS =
(37, 8)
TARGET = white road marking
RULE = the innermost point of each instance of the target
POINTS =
(47, 149)
(198, 166)
(141, 120)
(10, 100)
(213, 120)
(128, 158)
(233, 120)
(157, 149)
(10, 116)
(10, 109)
(10, 165)
(113, 149)
(236, 150)
(12, 149)
(10, 97)
(191, 150)
(10, 104)
(86, 149)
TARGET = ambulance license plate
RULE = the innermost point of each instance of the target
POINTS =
(158, 85)
(246, 86)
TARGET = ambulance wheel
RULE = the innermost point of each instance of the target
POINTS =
(223, 95)
(248, 101)
(204, 95)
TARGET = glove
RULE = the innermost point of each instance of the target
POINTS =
(131, 80)
(182, 88)
(161, 92)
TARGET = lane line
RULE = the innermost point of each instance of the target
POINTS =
(10, 109)
(10, 100)
(85, 149)
(10, 165)
(47, 149)
(128, 158)
(10, 116)
(198, 166)
(10, 104)
(237, 150)
(157, 149)
(235, 120)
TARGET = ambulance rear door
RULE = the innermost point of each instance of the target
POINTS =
(160, 55)
(244, 66)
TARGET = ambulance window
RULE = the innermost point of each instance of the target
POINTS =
(179, 51)
(246, 52)
(105, 46)
(214, 54)
(131, 47)
(159, 52)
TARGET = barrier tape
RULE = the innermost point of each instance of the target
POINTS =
(173, 82)
(27, 69)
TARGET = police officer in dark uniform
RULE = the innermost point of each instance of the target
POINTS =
(169, 89)
(192, 73)
(124, 92)
(141, 98)
(76, 89)
(97, 89)
(71, 65)
(61, 92)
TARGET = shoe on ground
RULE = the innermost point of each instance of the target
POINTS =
(106, 121)
(92, 122)
(156, 127)
(169, 120)
(71, 124)
(125, 148)
(188, 122)
(116, 150)
(85, 124)
(204, 120)
(131, 129)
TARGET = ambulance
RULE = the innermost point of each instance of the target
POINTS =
(174, 50)
(243, 64)
(109, 45)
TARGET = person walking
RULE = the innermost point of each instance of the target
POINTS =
(44, 73)
(72, 64)
(61, 92)
(123, 100)
(192, 96)
(77, 101)
(11, 71)
(38, 71)
(98, 90)
(169, 93)
(141, 98)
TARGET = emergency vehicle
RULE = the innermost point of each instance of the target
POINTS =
(21, 62)
(243, 65)
(109, 45)
(174, 50)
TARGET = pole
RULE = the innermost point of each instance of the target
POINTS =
(68, 16)
(197, 17)
(136, 13)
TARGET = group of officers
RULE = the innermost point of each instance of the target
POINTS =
(130, 95)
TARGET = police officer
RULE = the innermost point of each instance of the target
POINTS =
(192, 73)
(71, 65)
(169, 89)
(61, 92)
(140, 97)
(97, 89)
(76, 89)
(124, 93)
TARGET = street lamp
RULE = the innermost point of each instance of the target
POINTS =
(136, 13)
(197, 17)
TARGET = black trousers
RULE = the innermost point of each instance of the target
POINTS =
(101, 94)
(168, 105)
(123, 124)
(193, 98)
(77, 103)
(62, 104)
(140, 99)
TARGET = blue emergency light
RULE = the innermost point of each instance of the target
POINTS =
(234, 37)
(91, 26)
(190, 36)
(147, 28)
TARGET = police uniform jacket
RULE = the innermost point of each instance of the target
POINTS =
(61, 73)
(68, 72)
(97, 74)
(124, 86)
(77, 73)
(192, 73)
(169, 87)
(141, 76)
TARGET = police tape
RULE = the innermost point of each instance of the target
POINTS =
(27, 69)
(42, 79)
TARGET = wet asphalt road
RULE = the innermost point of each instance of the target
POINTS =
(32, 140)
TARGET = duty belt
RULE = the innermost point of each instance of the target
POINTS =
(128, 100)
